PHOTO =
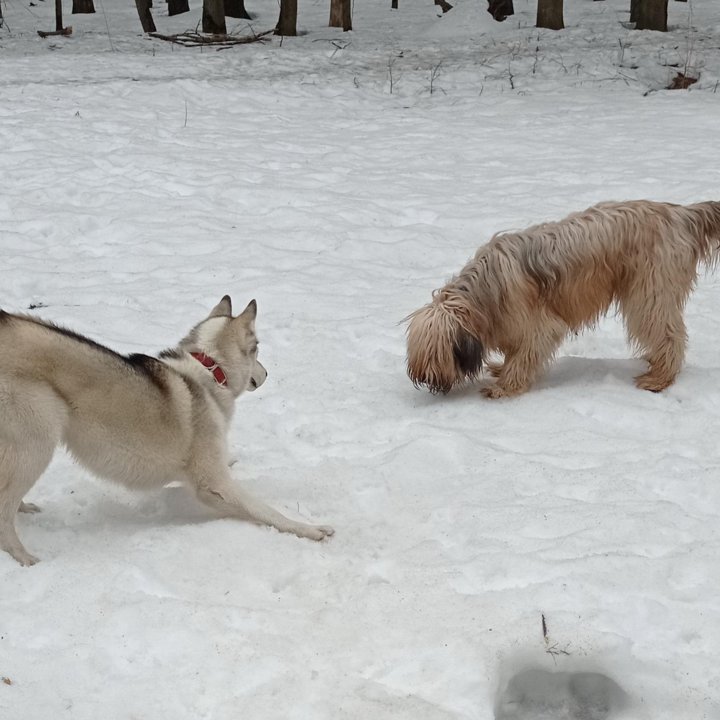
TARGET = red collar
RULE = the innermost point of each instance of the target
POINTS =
(212, 366)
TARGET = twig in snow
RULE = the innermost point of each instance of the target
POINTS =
(391, 62)
(196, 39)
(553, 650)
(434, 72)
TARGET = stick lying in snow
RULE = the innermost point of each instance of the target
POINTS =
(65, 31)
(193, 39)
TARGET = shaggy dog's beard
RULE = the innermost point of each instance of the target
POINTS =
(524, 292)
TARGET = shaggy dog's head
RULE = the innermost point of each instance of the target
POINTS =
(443, 345)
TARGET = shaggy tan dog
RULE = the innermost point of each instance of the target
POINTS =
(525, 291)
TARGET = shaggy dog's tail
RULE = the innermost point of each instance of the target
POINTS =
(703, 222)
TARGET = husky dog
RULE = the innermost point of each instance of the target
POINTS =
(137, 420)
(525, 291)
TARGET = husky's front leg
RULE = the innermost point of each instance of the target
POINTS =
(222, 494)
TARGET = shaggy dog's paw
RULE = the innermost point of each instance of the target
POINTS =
(653, 383)
(494, 392)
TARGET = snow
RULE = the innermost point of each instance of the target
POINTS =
(140, 181)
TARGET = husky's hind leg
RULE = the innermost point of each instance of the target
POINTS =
(30, 422)
(19, 469)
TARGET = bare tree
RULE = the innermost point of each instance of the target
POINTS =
(83, 6)
(650, 15)
(634, 5)
(500, 9)
(287, 22)
(146, 18)
(236, 9)
(341, 14)
(178, 7)
(59, 29)
(550, 14)
(442, 4)
(213, 17)
(58, 16)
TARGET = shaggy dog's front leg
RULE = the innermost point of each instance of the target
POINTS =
(524, 361)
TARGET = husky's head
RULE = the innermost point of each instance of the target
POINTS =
(232, 342)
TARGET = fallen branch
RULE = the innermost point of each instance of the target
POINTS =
(65, 31)
(195, 39)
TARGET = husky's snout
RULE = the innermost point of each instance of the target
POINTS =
(258, 377)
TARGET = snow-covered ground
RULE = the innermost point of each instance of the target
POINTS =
(140, 181)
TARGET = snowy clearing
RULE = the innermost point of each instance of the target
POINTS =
(139, 182)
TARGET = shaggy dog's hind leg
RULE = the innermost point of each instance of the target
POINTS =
(655, 324)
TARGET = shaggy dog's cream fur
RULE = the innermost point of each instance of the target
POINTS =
(525, 291)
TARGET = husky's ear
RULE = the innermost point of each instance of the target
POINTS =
(222, 309)
(249, 314)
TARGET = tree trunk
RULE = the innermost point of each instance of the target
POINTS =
(146, 19)
(178, 7)
(287, 22)
(341, 14)
(236, 9)
(651, 15)
(58, 16)
(550, 14)
(634, 6)
(213, 17)
(59, 29)
(83, 6)
(500, 9)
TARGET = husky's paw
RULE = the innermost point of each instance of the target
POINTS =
(316, 532)
(29, 508)
(23, 557)
(27, 560)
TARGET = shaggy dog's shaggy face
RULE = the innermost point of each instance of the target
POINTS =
(444, 346)
(524, 292)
